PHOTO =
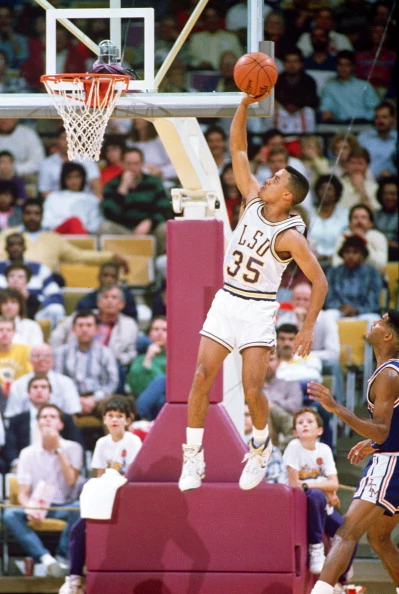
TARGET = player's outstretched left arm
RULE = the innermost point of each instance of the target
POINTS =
(385, 392)
(295, 243)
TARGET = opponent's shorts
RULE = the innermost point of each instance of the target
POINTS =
(241, 323)
(380, 482)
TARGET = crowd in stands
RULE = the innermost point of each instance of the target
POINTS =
(334, 120)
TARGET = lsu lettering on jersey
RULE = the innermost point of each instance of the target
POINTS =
(252, 268)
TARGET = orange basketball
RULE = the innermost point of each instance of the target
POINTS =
(255, 74)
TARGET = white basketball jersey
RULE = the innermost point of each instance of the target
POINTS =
(252, 268)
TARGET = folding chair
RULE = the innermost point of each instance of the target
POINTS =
(47, 525)
(71, 298)
(392, 272)
(140, 255)
(45, 325)
(85, 242)
(82, 276)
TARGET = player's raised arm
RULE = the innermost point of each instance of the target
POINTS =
(246, 182)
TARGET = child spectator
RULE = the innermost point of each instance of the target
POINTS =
(310, 465)
(116, 450)
(10, 213)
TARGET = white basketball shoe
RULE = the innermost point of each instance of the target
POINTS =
(256, 460)
(316, 558)
(193, 467)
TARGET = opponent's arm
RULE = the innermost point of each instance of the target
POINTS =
(246, 182)
(385, 392)
(293, 242)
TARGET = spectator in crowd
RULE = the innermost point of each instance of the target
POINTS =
(329, 219)
(300, 369)
(108, 276)
(353, 18)
(377, 64)
(63, 390)
(13, 44)
(115, 450)
(236, 19)
(10, 82)
(167, 33)
(294, 118)
(354, 287)
(361, 223)
(21, 428)
(175, 80)
(23, 143)
(357, 187)
(231, 193)
(48, 247)
(114, 329)
(14, 358)
(13, 307)
(7, 173)
(226, 82)
(346, 97)
(135, 202)
(341, 146)
(320, 58)
(57, 462)
(156, 160)
(312, 156)
(146, 378)
(284, 398)
(112, 150)
(214, 39)
(275, 30)
(310, 465)
(10, 212)
(381, 140)
(324, 19)
(34, 66)
(272, 139)
(71, 209)
(293, 85)
(18, 277)
(274, 471)
(216, 139)
(50, 169)
(42, 284)
(91, 365)
(386, 219)
(326, 345)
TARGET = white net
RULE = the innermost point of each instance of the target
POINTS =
(85, 103)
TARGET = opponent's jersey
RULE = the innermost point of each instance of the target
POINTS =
(252, 268)
(391, 444)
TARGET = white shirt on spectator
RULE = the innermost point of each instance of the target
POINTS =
(26, 147)
(64, 204)
(109, 452)
(50, 173)
(63, 393)
(310, 464)
(300, 369)
(36, 463)
(27, 332)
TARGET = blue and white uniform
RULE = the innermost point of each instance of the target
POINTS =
(380, 481)
(243, 312)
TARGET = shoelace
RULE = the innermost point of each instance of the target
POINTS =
(255, 459)
(190, 465)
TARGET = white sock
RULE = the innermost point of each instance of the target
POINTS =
(260, 435)
(322, 588)
(194, 436)
(47, 559)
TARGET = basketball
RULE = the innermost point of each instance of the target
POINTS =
(255, 74)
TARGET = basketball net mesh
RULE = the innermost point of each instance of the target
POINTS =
(85, 107)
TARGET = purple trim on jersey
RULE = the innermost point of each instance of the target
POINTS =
(391, 444)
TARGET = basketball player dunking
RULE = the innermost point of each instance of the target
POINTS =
(243, 312)
(375, 508)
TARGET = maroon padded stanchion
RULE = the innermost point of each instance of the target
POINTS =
(217, 538)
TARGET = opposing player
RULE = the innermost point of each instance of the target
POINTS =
(243, 312)
(375, 506)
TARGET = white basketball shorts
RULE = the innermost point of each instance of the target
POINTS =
(241, 323)
(380, 482)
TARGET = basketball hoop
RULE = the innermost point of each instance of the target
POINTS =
(85, 102)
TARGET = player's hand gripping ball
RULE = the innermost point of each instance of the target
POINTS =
(255, 74)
